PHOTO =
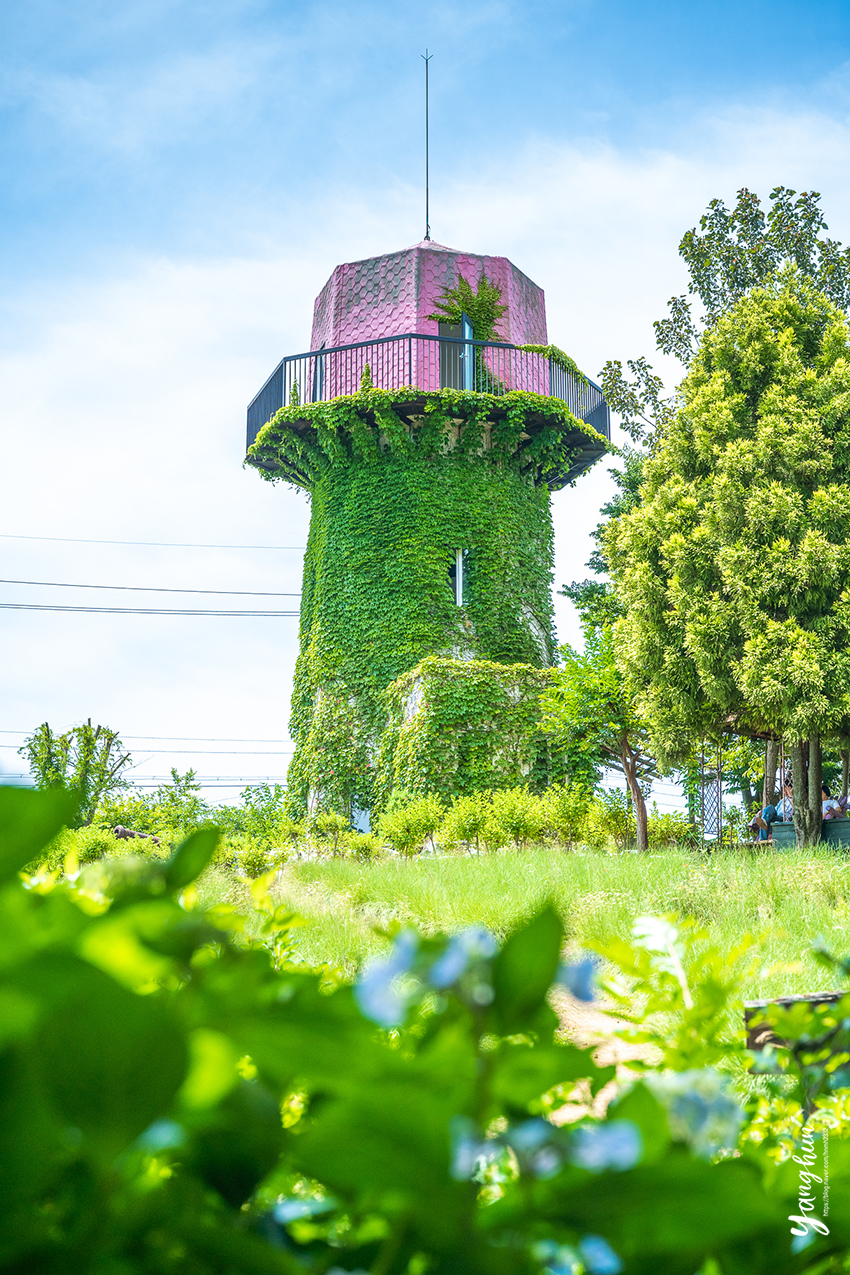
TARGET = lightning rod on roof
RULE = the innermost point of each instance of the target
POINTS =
(426, 58)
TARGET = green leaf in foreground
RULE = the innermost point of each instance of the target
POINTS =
(29, 820)
(191, 858)
(525, 968)
(306, 1138)
(110, 1060)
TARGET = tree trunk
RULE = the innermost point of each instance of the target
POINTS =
(816, 787)
(771, 761)
(845, 772)
(630, 765)
(748, 795)
(808, 803)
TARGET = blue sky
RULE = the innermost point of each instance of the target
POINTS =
(178, 181)
(198, 128)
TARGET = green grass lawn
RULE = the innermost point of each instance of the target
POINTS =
(785, 899)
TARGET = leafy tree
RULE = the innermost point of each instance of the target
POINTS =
(261, 815)
(734, 568)
(642, 404)
(176, 808)
(171, 811)
(728, 255)
(180, 798)
(465, 820)
(484, 307)
(741, 249)
(90, 760)
(591, 709)
(331, 826)
(610, 818)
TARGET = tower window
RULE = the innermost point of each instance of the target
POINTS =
(451, 361)
(457, 573)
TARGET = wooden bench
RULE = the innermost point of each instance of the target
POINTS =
(761, 1033)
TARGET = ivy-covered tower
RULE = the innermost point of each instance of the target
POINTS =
(430, 422)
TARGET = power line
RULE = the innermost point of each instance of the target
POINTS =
(186, 739)
(148, 588)
(238, 784)
(33, 606)
(150, 544)
(199, 779)
(202, 779)
(5, 779)
(178, 739)
(205, 752)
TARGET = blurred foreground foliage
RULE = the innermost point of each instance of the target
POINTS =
(175, 1096)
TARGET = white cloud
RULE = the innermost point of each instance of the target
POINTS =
(131, 109)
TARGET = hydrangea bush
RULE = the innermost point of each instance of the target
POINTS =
(179, 1097)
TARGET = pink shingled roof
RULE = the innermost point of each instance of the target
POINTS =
(388, 295)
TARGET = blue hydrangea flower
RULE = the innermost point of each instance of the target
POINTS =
(294, 1207)
(614, 1145)
(579, 978)
(462, 949)
(546, 1162)
(162, 1135)
(701, 1108)
(470, 1152)
(598, 1256)
(534, 1143)
(530, 1135)
(376, 990)
(560, 1259)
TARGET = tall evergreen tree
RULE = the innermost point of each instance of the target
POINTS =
(734, 567)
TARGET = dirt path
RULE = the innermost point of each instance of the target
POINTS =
(586, 1025)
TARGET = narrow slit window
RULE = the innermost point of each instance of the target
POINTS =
(456, 576)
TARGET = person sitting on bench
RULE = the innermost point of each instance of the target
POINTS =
(832, 809)
(782, 812)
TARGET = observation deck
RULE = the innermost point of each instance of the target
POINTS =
(379, 312)
(427, 364)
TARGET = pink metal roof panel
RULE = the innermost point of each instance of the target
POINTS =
(393, 293)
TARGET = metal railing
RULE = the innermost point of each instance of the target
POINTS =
(426, 363)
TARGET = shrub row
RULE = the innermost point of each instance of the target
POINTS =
(564, 814)
(480, 822)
